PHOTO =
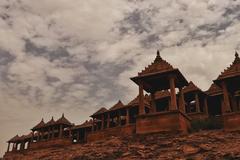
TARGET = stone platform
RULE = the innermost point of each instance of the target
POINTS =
(231, 121)
(169, 121)
(108, 132)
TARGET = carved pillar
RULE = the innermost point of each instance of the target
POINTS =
(8, 147)
(173, 105)
(205, 105)
(108, 120)
(226, 106)
(181, 101)
(141, 100)
(61, 131)
(197, 103)
(154, 106)
(102, 121)
(127, 116)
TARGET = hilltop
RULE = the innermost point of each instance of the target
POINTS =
(209, 145)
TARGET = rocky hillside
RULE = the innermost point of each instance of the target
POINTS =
(205, 145)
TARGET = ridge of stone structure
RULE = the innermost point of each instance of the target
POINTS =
(214, 90)
(232, 70)
(191, 87)
(116, 106)
(100, 111)
(158, 65)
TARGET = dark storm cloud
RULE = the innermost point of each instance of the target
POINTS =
(6, 57)
(137, 21)
(52, 55)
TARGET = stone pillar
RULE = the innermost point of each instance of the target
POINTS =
(93, 125)
(127, 116)
(15, 146)
(61, 131)
(173, 105)
(53, 132)
(8, 147)
(205, 105)
(38, 135)
(78, 136)
(118, 118)
(70, 133)
(141, 99)
(108, 120)
(22, 146)
(85, 135)
(181, 101)
(154, 106)
(226, 101)
(49, 133)
(32, 138)
(102, 121)
(197, 103)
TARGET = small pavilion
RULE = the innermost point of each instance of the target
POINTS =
(99, 119)
(80, 132)
(214, 100)
(229, 80)
(195, 102)
(159, 76)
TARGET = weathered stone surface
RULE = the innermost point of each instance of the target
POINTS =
(207, 145)
(190, 150)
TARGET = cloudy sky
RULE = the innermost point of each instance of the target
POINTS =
(75, 56)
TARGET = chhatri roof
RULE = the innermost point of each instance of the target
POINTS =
(86, 124)
(64, 121)
(191, 87)
(135, 101)
(14, 139)
(117, 106)
(155, 76)
(159, 65)
(50, 123)
(39, 125)
(233, 70)
(100, 111)
(214, 90)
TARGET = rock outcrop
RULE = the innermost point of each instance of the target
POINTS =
(204, 145)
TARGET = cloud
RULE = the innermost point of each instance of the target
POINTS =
(77, 56)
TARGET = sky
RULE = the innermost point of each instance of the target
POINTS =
(75, 56)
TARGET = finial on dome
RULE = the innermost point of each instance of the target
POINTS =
(42, 120)
(236, 54)
(237, 59)
(63, 115)
(158, 58)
